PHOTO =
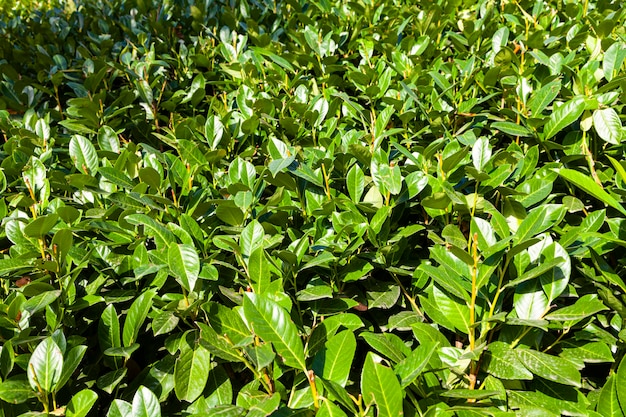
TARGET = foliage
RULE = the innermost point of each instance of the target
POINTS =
(312, 208)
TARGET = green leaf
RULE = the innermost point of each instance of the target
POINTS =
(145, 404)
(455, 310)
(620, 383)
(109, 381)
(383, 344)
(273, 324)
(586, 306)
(481, 153)
(41, 225)
(220, 387)
(116, 177)
(226, 321)
(379, 385)
(414, 364)
(120, 408)
(191, 371)
(164, 322)
(328, 409)
(334, 361)
(108, 139)
(230, 214)
(608, 401)
(355, 182)
(109, 330)
(136, 315)
(163, 237)
(218, 345)
(502, 362)
(16, 389)
(529, 301)
(84, 155)
(538, 221)
(70, 364)
(45, 365)
(550, 367)
(581, 352)
(613, 60)
(543, 97)
(608, 125)
(259, 271)
(184, 264)
(564, 116)
(512, 129)
(590, 187)
(81, 403)
(40, 301)
(10, 265)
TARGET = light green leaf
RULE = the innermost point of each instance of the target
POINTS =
(108, 140)
(145, 404)
(191, 371)
(45, 365)
(334, 361)
(620, 383)
(259, 271)
(70, 363)
(163, 236)
(564, 116)
(328, 409)
(455, 310)
(120, 408)
(273, 324)
(512, 129)
(164, 322)
(184, 264)
(136, 315)
(608, 401)
(608, 125)
(543, 97)
(379, 385)
(529, 301)
(415, 363)
(586, 306)
(81, 403)
(10, 265)
(355, 181)
(109, 331)
(613, 60)
(84, 155)
(538, 220)
(502, 362)
(550, 367)
(40, 301)
(41, 225)
(115, 176)
(590, 187)
(16, 389)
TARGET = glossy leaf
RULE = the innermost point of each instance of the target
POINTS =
(84, 155)
(270, 322)
(564, 116)
(380, 386)
(549, 367)
(184, 264)
(81, 403)
(191, 371)
(589, 186)
(45, 365)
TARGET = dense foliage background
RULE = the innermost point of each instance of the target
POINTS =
(295, 208)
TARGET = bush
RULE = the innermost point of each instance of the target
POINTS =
(312, 208)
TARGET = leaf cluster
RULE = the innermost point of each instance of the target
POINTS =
(321, 208)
